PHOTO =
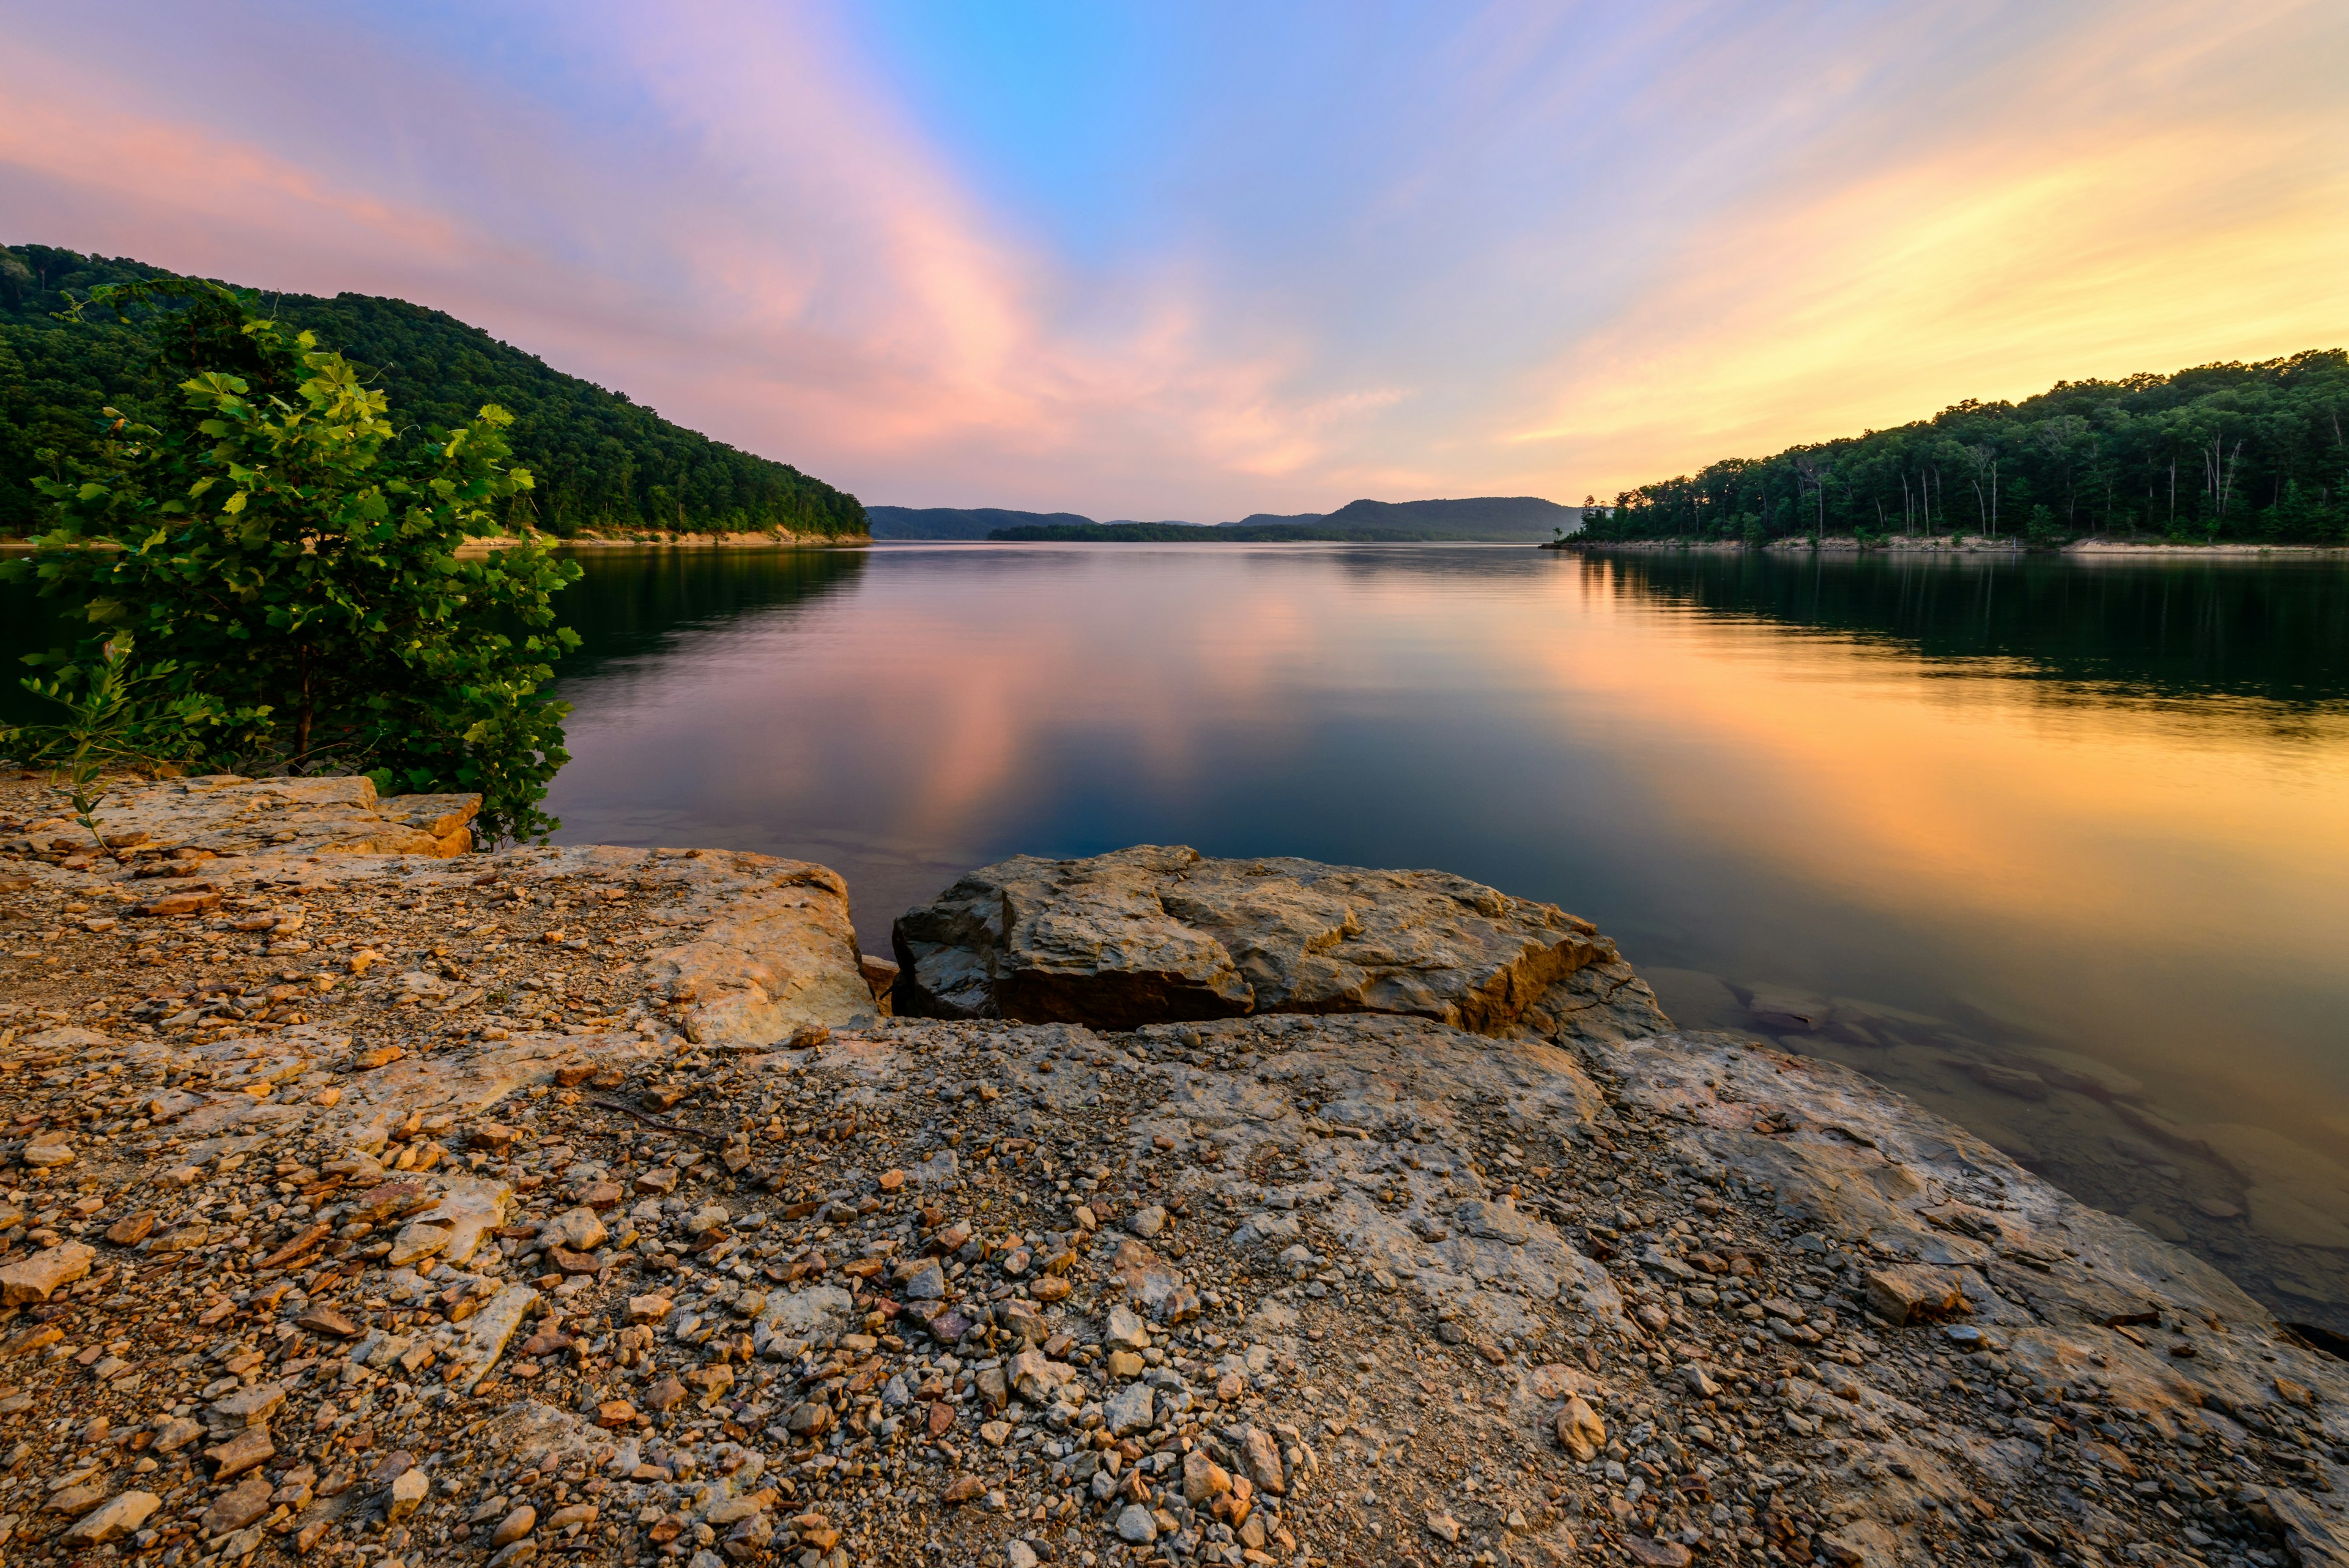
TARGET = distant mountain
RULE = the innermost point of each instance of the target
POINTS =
(1505, 518)
(1276, 520)
(602, 461)
(1498, 518)
(1479, 517)
(962, 522)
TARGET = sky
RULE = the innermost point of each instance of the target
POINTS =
(1138, 259)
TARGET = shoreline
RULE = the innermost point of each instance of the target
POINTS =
(2081, 549)
(608, 1183)
(481, 547)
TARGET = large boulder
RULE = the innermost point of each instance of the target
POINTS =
(1154, 935)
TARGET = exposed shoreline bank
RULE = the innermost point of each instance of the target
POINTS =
(1970, 546)
(1496, 1262)
(781, 540)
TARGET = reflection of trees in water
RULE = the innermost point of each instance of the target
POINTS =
(629, 602)
(2277, 632)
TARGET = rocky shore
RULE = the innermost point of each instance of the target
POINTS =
(371, 1201)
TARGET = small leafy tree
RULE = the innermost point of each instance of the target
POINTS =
(111, 720)
(297, 558)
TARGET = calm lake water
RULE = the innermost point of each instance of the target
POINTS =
(2061, 849)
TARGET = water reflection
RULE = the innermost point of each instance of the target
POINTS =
(2055, 848)
(2058, 849)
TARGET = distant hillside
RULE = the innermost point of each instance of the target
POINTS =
(2254, 453)
(601, 461)
(961, 522)
(1478, 517)
(1492, 517)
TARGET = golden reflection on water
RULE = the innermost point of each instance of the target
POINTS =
(2155, 882)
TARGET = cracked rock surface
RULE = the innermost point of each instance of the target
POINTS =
(1150, 934)
(589, 1211)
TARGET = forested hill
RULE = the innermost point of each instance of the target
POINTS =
(2221, 452)
(962, 522)
(1473, 517)
(601, 461)
(1476, 518)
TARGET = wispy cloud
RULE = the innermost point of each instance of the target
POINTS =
(1506, 249)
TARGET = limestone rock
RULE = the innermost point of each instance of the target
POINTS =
(36, 1276)
(320, 815)
(778, 955)
(1130, 1410)
(1150, 934)
(1905, 1293)
(1580, 1430)
(1136, 1525)
(112, 1520)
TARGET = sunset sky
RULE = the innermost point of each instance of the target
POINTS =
(1145, 260)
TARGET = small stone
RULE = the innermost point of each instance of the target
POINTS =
(114, 1519)
(1698, 1384)
(892, 1179)
(1263, 1458)
(1444, 1527)
(994, 1434)
(241, 1453)
(614, 1414)
(408, 1494)
(1130, 1410)
(73, 1500)
(131, 1229)
(664, 1395)
(249, 1406)
(1136, 1526)
(962, 1489)
(33, 1279)
(1651, 1553)
(236, 1510)
(1905, 1293)
(1127, 1328)
(417, 1241)
(1147, 1221)
(325, 1320)
(1580, 1430)
(175, 1434)
(1204, 1480)
(579, 1230)
(648, 1308)
(928, 1282)
(514, 1526)
(47, 1152)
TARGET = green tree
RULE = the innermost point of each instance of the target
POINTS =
(295, 559)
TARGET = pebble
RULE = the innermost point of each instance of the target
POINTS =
(1040, 1340)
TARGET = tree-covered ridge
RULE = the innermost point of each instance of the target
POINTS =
(2232, 452)
(602, 462)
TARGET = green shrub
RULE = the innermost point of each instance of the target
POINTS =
(294, 559)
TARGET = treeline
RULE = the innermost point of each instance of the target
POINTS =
(1221, 533)
(602, 463)
(2233, 451)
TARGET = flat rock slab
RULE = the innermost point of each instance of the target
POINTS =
(225, 814)
(1152, 935)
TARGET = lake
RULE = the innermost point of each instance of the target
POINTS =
(2060, 848)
